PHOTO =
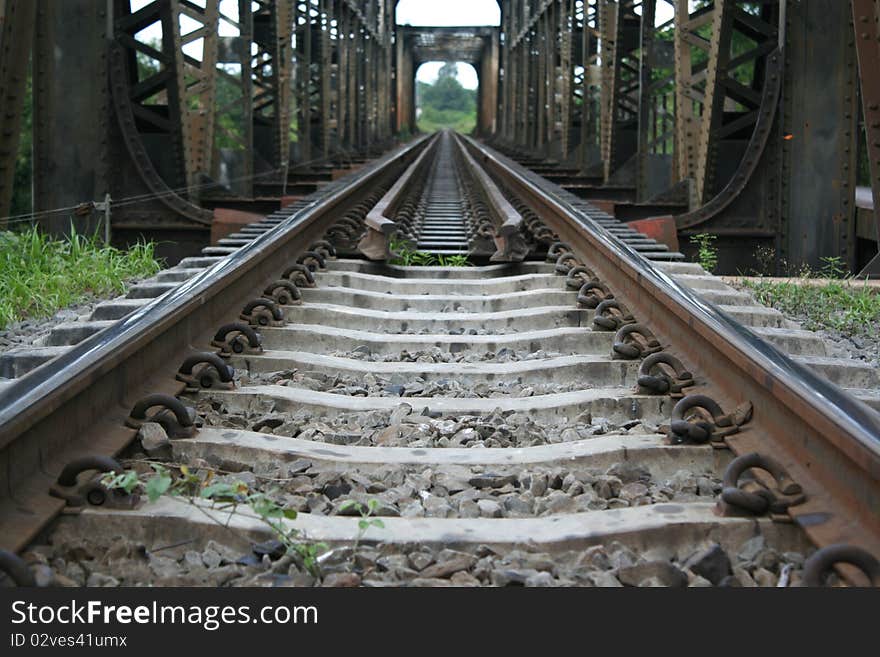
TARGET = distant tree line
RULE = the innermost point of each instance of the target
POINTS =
(446, 103)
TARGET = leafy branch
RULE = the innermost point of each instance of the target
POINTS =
(707, 252)
(227, 496)
(366, 512)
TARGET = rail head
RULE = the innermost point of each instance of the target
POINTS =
(508, 221)
(828, 440)
(376, 243)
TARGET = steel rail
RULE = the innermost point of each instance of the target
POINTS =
(76, 404)
(508, 220)
(828, 440)
(380, 226)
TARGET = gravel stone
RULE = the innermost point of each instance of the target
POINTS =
(420, 560)
(603, 579)
(489, 508)
(452, 563)
(750, 550)
(100, 580)
(341, 580)
(711, 563)
(154, 440)
(660, 573)
(764, 577)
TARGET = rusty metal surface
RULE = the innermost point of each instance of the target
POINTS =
(378, 218)
(827, 440)
(508, 220)
(752, 156)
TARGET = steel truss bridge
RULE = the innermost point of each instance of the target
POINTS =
(756, 121)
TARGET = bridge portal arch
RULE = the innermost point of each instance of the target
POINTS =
(474, 45)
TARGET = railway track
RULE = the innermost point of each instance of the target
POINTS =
(565, 412)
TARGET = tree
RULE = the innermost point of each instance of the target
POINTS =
(448, 70)
(446, 103)
(447, 93)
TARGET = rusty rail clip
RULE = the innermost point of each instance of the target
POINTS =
(557, 249)
(634, 341)
(237, 338)
(565, 262)
(178, 420)
(325, 249)
(91, 492)
(818, 565)
(592, 293)
(579, 275)
(662, 373)
(753, 497)
(300, 275)
(708, 424)
(313, 260)
(214, 373)
(605, 319)
(283, 292)
(262, 312)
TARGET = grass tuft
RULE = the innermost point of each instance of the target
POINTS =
(40, 275)
(840, 303)
(407, 257)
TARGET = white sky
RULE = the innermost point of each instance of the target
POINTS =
(448, 12)
(466, 74)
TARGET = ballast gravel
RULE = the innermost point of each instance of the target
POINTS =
(66, 559)
(375, 385)
(408, 425)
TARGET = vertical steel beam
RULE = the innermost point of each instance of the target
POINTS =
(688, 94)
(541, 82)
(70, 154)
(196, 77)
(17, 19)
(866, 21)
(645, 118)
(304, 78)
(325, 66)
(821, 122)
(566, 71)
(608, 12)
(713, 105)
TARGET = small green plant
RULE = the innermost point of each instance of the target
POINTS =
(405, 254)
(765, 256)
(366, 512)
(832, 267)
(453, 260)
(423, 259)
(227, 496)
(707, 253)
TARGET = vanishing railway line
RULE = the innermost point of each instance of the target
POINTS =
(579, 407)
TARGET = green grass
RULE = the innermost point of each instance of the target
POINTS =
(40, 275)
(841, 303)
(407, 257)
(432, 120)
